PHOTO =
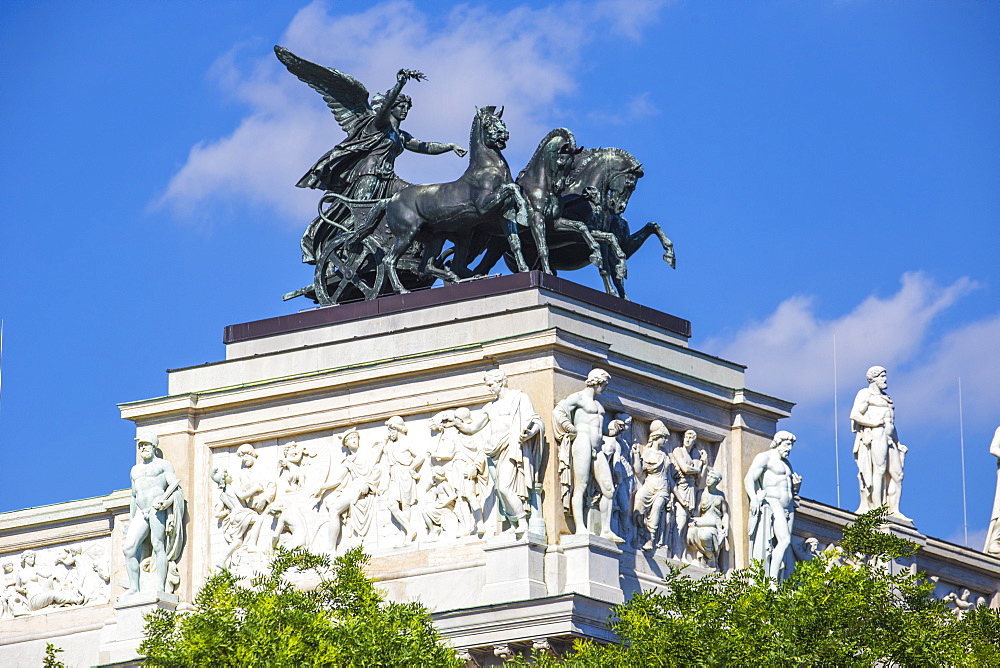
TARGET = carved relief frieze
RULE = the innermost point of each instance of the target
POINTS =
(52, 578)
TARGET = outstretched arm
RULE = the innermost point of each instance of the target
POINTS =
(433, 147)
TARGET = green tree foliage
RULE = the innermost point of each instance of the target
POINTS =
(268, 621)
(843, 608)
(51, 659)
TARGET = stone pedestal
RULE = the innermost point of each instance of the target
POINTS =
(292, 387)
(591, 567)
(121, 637)
(515, 568)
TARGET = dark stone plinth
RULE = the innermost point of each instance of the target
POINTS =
(327, 315)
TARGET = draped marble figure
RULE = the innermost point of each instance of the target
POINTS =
(708, 533)
(244, 499)
(513, 447)
(349, 495)
(651, 500)
(686, 472)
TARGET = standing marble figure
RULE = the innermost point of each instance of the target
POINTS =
(686, 472)
(993, 533)
(513, 449)
(877, 450)
(653, 495)
(156, 516)
(773, 489)
(404, 471)
(578, 422)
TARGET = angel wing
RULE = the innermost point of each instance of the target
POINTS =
(346, 96)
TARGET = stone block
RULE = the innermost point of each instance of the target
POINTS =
(515, 568)
(591, 565)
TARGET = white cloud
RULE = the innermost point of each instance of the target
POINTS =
(971, 352)
(472, 56)
(790, 354)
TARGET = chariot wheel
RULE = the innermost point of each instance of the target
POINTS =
(349, 274)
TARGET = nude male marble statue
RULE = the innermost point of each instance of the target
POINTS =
(773, 488)
(578, 422)
(156, 513)
(877, 450)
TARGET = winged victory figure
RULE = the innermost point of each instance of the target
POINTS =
(361, 167)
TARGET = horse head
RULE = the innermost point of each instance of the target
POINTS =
(612, 171)
(554, 158)
(489, 129)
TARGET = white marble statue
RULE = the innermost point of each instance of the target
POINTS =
(604, 479)
(292, 507)
(578, 422)
(653, 495)
(513, 449)
(243, 504)
(468, 466)
(773, 488)
(708, 533)
(686, 473)
(404, 472)
(992, 545)
(156, 524)
(877, 450)
(623, 463)
(441, 505)
(350, 495)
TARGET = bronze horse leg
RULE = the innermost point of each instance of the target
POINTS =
(631, 243)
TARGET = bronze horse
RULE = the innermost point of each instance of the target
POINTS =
(542, 182)
(596, 195)
(484, 200)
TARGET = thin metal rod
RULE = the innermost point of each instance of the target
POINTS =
(836, 427)
(961, 441)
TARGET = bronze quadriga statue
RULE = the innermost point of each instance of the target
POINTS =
(376, 234)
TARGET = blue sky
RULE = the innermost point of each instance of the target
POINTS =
(824, 169)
